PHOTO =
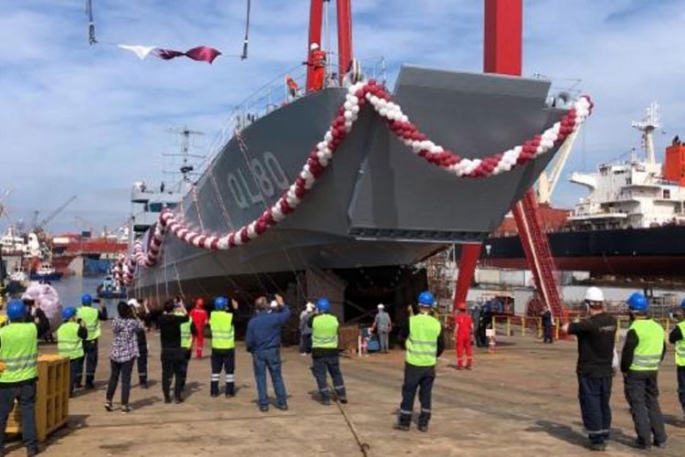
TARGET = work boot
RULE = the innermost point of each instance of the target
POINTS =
(167, 399)
(264, 409)
(468, 367)
(283, 407)
(178, 400)
(598, 447)
(343, 400)
(326, 401)
(401, 427)
(108, 406)
(423, 428)
(639, 444)
(31, 452)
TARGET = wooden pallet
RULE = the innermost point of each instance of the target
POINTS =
(52, 398)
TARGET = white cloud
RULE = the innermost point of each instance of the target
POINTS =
(90, 120)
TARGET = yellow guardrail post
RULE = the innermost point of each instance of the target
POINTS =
(523, 326)
(508, 325)
(557, 327)
(539, 322)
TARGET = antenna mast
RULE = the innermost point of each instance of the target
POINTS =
(186, 168)
(647, 125)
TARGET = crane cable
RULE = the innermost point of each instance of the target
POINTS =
(243, 56)
(91, 24)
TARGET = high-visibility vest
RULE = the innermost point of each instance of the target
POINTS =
(68, 342)
(325, 332)
(648, 352)
(221, 324)
(90, 316)
(422, 344)
(680, 347)
(186, 335)
(19, 352)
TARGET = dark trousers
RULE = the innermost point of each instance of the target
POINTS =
(681, 387)
(548, 333)
(172, 367)
(420, 378)
(184, 368)
(330, 364)
(261, 361)
(306, 343)
(123, 369)
(90, 348)
(223, 359)
(142, 366)
(75, 370)
(642, 393)
(594, 395)
(26, 394)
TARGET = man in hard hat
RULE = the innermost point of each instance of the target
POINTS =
(263, 341)
(325, 355)
(596, 335)
(305, 330)
(221, 323)
(70, 337)
(92, 318)
(463, 336)
(382, 325)
(19, 354)
(200, 319)
(187, 333)
(677, 337)
(317, 61)
(643, 351)
(424, 344)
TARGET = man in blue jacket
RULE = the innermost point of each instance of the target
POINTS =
(263, 340)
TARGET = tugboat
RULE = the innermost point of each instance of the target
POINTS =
(110, 289)
(45, 273)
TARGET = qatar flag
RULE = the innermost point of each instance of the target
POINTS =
(200, 53)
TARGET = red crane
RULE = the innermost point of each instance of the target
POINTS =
(502, 54)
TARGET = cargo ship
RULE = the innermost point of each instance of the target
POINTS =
(631, 224)
(380, 206)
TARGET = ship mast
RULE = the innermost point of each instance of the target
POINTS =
(647, 126)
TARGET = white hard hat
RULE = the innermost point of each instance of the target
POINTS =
(381, 306)
(314, 46)
(310, 306)
(273, 304)
(594, 294)
(133, 302)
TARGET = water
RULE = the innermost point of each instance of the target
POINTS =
(71, 289)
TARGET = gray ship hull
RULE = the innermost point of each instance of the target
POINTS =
(377, 205)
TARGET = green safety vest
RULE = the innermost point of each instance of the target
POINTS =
(680, 347)
(422, 344)
(186, 335)
(325, 332)
(68, 342)
(19, 352)
(221, 324)
(90, 316)
(648, 352)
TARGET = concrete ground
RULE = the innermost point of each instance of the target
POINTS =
(521, 401)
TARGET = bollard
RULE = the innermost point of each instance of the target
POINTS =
(490, 333)
(557, 327)
(539, 322)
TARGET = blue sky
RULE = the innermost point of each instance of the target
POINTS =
(90, 120)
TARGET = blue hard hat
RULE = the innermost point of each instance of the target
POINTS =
(86, 299)
(323, 305)
(16, 310)
(220, 303)
(68, 313)
(426, 299)
(637, 302)
(682, 304)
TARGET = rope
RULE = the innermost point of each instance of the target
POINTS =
(364, 447)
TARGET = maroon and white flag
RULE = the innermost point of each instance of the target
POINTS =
(200, 53)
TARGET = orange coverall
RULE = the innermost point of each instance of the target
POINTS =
(462, 338)
(317, 60)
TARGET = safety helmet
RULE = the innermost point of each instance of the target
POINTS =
(68, 313)
(682, 304)
(314, 46)
(199, 303)
(133, 302)
(381, 306)
(220, 303)
(594, 294)
(86, 300)
(16, 310)
(637, 302)
(310, 306)
(323, 305)
(461, 306)
(426, 299)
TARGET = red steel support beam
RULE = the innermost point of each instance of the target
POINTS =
(315, 27)
(344, 10)
(502, 54)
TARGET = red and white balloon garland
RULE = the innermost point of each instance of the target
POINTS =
(358, 95)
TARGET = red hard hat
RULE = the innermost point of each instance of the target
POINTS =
(199, 303)
(461, 306)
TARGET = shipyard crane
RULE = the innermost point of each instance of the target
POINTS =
(40, 227)
(548, 181)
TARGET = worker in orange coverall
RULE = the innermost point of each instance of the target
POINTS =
(317, 60)
(463, 334)
(199, 317)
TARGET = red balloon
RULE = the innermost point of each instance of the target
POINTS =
(260, 227)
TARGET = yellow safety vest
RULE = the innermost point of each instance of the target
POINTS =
(19, 352)
(422, 344)
(68, 342)
(648, 352)
(680, 347)
(221, 324)
(186, 335)
(90, 316)
(325, 332)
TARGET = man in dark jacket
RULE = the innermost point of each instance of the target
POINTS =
(596, 338)
(173, 355)
(263, 340)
